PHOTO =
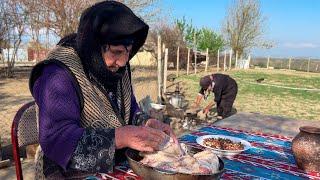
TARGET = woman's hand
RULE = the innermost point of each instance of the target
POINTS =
(141, 138)
(156, 124)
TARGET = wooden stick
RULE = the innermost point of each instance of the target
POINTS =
(309, 65)
(218, 60)
(188, 62)
(165, 70)
(224, 60)
(177, 74)
(159, 68)
(230, 59)
(289, 63)
(268, 62)
(195, 62)
(235, 66)
(207, 59)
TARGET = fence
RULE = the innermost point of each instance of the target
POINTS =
(299, 64)
(195, 61)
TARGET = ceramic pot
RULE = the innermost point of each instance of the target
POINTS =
(306, 148)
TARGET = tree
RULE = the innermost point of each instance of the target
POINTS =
(244, 26)
(188, 31)
(209, 39)
(149, 10)
(200, 39)
(172, 38)
(13, 26)
(62, 16)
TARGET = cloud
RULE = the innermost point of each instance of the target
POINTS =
(301, 45)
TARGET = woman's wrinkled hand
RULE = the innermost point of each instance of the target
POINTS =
(141, 138)
(156, 124)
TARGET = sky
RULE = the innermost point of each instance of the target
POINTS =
(293, 25)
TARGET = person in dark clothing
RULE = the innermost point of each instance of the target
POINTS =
(225, 91)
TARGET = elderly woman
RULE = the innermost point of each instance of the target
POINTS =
(225, 90)
(88, 113)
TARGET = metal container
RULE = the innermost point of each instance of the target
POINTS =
(176, 100)
(150, 173)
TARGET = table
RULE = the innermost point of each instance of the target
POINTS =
(270, 157)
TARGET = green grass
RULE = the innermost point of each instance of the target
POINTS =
(253, 97)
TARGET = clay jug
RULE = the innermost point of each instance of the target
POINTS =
(306, 148)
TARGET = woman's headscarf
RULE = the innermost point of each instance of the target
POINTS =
(107, 22)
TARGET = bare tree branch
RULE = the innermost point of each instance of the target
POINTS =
(244, 26)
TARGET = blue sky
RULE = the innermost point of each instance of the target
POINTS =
(293, 25)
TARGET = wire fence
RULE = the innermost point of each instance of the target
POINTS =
(298, 64)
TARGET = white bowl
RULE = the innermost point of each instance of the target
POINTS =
(157, 106)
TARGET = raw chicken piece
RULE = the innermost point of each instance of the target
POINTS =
(169, 159)
(208, 159)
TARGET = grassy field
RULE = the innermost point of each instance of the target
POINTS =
(270, 100)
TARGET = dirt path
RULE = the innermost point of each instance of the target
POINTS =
(13, 94)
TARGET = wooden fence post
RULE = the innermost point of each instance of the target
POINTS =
(218, 60)
(207, 60)
(249, 59)
(188, 61)
(235, 66)
(268, 62)
(177, 74)
(289, 63)
(165, 70)
(159, 68)
(224, 60)
(309, 65)
(230, 59)
(195, 62)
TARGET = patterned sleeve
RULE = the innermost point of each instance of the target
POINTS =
(95, 151)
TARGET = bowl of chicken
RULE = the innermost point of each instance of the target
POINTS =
(169, 164)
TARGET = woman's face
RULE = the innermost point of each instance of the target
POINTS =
(116, 56)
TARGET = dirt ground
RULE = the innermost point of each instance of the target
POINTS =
(13, 94)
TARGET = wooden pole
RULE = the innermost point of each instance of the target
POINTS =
(230, 59)
(317, 67)
(289, 63)
(235, 66)
(224, 60)
(268, 62)
(218, 60)
(159, 68)
(188, 62)
(195, 62)
(309, 65)
(249, 59)
(177, 74)
(207, 59)
(163, 47)
(165, 70)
